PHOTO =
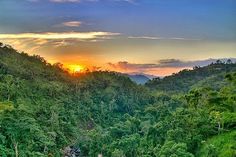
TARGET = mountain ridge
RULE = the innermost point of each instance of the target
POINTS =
(44, 111)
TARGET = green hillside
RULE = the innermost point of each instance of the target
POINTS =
(213, 75)
(222, 145)
(44, 110)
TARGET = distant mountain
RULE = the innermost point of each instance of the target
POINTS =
(139, 79)
(147, 75)
(152, 76)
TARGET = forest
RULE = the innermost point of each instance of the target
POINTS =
(44, 110)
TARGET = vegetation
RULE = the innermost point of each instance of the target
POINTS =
(44, 109)
(220, 145)
(212, 76)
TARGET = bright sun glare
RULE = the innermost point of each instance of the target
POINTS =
(76, 68)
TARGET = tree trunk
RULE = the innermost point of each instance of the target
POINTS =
(16, 149)
(218, 127)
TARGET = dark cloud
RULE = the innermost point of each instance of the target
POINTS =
(165, 63)
(126, 65)
(180, 63)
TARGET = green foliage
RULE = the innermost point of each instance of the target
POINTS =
(208, 76)
(219, 146)
(43, 110)
(172, 149)
(6, 106)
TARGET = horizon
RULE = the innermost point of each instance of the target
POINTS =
(154, 37)
(118, 78)
(76, 68)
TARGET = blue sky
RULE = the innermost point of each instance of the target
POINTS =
(208, 19)
(164, 29)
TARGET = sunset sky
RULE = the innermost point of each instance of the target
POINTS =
(156, 37)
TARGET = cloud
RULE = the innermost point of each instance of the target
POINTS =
(152, 69)
(159, 38)
(59, 35)
(162, 67)
(144, 37)
(180, 63)
(72, 23)
(42, 41)
(167, 63)
(130, 66)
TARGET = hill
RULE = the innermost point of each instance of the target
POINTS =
(185, 79)
(44, 108)
(221, 145)
(45, 111)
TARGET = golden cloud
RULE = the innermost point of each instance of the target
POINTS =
(59, 35)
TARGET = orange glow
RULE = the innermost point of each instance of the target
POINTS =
(76, 68)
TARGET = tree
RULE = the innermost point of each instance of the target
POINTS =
(117, 153)
(172, 149)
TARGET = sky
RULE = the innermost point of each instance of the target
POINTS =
(157, 37)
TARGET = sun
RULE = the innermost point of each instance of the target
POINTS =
(76, 68)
